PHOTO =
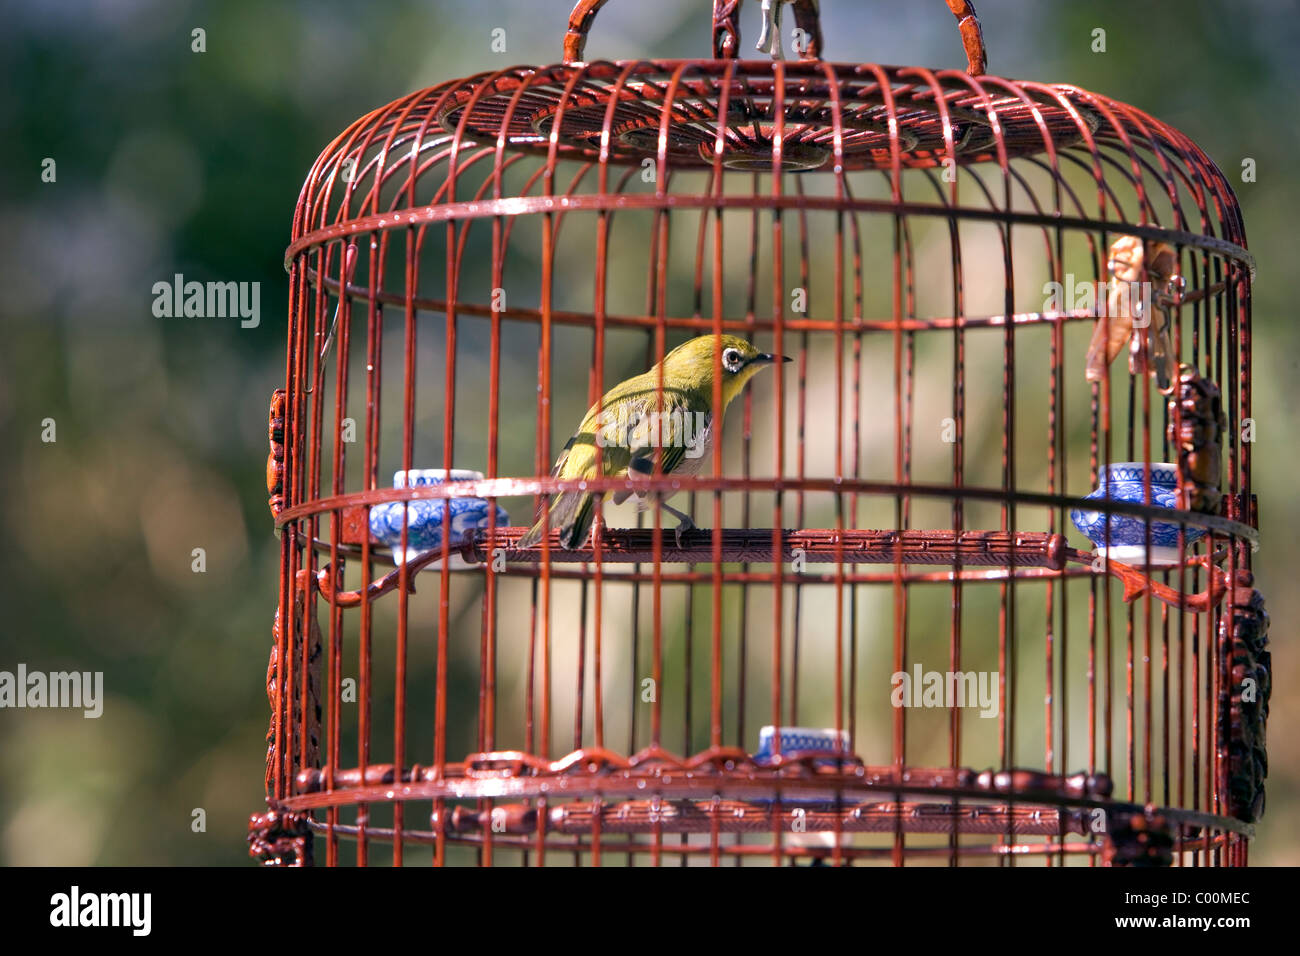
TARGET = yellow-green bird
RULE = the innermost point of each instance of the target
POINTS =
(632, 428)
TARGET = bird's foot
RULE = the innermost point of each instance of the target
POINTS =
(686, 524)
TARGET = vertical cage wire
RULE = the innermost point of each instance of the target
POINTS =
(896, 497)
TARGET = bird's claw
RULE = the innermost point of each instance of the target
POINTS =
(686, 524)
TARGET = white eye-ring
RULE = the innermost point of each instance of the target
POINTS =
(731, 360)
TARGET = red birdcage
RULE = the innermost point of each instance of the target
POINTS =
(886, 552)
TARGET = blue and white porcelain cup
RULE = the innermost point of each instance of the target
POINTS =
(820, 739)
(1125, 537)
(426, 517)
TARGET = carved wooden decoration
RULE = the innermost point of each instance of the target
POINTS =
(275, 460)
(280, 838)
(1138, 838)
(295, 724)
(1245, 659)
(1196, 426)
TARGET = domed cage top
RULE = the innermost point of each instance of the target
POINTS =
(886, 641)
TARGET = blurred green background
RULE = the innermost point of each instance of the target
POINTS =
(173, 161)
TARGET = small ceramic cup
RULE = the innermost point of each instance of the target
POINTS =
(818, 739)
(1124, 539)
(821, 739)
(427, 517)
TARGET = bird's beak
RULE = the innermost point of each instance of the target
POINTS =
(768, 357)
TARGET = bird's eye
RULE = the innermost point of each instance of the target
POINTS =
(731, 359)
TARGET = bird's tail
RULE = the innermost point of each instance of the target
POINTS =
(573, 513)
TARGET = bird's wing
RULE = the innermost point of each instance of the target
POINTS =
(578, 457)
(558, 468)
(685, 432)
(571, 511)
(677, 435)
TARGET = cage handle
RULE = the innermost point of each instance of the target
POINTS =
(726, 30)
(972, 36)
